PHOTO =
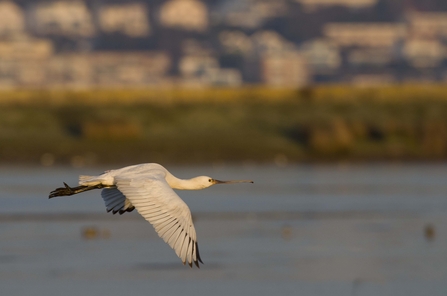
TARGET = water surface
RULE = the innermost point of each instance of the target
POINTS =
(299, 230)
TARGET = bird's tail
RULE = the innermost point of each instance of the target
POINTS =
(85, 180)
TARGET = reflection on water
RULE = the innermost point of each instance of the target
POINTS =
(307, 230)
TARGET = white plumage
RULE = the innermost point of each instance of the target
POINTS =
(149, 189)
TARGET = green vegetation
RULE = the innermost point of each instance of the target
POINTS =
(224, 125)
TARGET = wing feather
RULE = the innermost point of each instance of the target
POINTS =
(179, 245)
(111, 196)
(186, 241)
(165, 210)
(168, 221)
(115, 201)
(167, 237)
(151, 212)
(189, 252)
(161, 220)
(173, 238)
(163, 230)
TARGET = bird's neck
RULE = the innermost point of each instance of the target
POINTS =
(182, 184)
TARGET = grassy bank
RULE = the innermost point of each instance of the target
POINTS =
(172, 96)
(223, 125)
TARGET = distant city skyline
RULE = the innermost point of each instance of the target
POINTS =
(281, 43)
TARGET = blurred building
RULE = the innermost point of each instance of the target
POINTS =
(204, 70)
(311, 5)
(323, 56)
(365, 34)
(427, 24)
(71, 70)
(12, 19)
(248, 13)
(26, 48)
(236, 42)
(423, 53)
(190, 15)
(78, 43)
(285, 69)
(270, 42)
(67, 18)
(130, 19)
(23, 61)
(105, 69)
(197, 65)
(370, 57)
(130, 68)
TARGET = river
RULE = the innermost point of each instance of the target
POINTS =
(369, 229)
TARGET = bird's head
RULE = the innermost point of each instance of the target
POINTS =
(205, 181)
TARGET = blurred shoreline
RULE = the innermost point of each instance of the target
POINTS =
(245, 216)
(249, 125)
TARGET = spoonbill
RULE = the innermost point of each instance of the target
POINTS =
(149, 188)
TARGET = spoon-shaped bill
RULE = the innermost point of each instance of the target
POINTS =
(232, 181)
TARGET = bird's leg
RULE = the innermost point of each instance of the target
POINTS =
(67, 190)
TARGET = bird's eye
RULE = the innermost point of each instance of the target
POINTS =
(210, 180)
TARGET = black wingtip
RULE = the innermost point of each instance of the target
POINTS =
(198, 254)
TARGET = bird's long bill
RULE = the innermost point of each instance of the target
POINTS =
(232, 181)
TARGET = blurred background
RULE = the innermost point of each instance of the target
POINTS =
(337, 109)
(283, 43)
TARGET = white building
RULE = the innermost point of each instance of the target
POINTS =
(204, 70)
(249, 13)
(68, 18)
(26, 49)
(321, 55)
(427, 24)
(286, 69)
(12, 19)
(130, 19)
(424, 53)
(23, 61)
(190, 15)
(270, 42)
(311, 5)
(70, 69)
(365, 34)
(236, 42)
(98, 69)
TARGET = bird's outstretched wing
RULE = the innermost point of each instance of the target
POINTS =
(155, 200)
(116, 202)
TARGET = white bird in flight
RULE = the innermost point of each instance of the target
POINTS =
(148, 188)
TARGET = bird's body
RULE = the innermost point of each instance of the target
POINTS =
(149, 189)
